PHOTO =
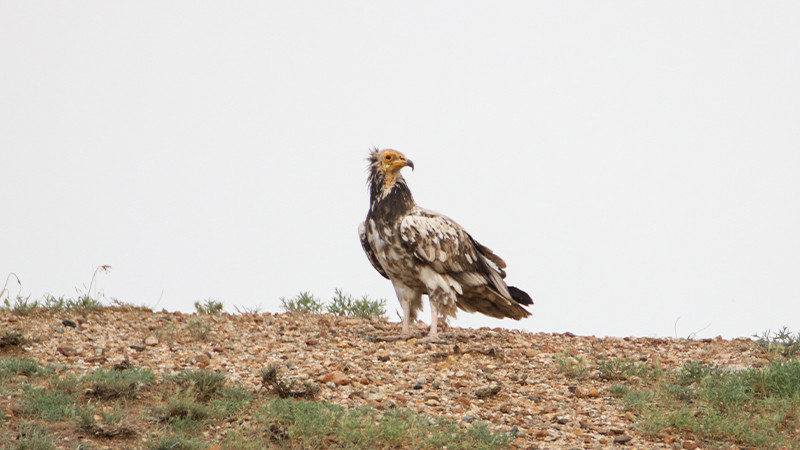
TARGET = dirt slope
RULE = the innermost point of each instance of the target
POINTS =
(510, 379)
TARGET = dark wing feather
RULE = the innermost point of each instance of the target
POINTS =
(362, 233)
(449, 249)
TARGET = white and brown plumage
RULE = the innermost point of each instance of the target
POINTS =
(423, 252)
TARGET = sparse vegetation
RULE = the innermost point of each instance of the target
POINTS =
(208, 306)
(202, 383)
(346, 305)
(248, 309)
(108, 384)
(21, 306)
(624, 368)
(176, 443)
(20, 366)
(271, 381)
(198, 328)
(167, 335)
(47, 405)
(572, 366)
(10, 338)
(34, 436)
(755, 407)
(718, 406)
(303, 302)
(300, 423)
(342, 304)
(782, 343)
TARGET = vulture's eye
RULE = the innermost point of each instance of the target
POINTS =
(388, 157)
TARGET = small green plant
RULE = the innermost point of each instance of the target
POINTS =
(624, 369)
(86, 303)
(55, 304)
(67, 384)
(208, 306)
(10, 367)
(198, 329)
(572, 366)
(183, 412)
(230, 401)
(84, 416)
(167, 335)
(614, 368)
(346, 305)
(307, 424)
(106, 384)
(21, 306)
(270, 380)
(781, 343)
(10, 338)
(618, 390)
(202, 383)
(248, 309)
(50, 406)
(34, 436)
(757, 407)
(303, 302)
(693, 372)
(176, 443)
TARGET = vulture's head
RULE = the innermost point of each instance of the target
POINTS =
(384, 170)
(388, 161)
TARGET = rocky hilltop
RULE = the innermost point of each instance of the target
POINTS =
(544, 387)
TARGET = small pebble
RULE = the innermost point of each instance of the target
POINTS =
(69, 323)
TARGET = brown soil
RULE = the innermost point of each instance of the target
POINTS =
(509, 379)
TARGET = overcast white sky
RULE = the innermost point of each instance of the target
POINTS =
(633, 162)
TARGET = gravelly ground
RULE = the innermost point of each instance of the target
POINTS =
(507, 378)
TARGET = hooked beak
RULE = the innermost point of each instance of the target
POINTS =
(409, 163)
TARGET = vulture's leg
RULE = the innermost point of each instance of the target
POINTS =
(411, 301)
(433, 334)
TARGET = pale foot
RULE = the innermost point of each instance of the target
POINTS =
(433, 340)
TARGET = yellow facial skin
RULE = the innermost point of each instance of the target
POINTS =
(392, 161)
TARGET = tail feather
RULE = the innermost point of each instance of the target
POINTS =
(520, 296)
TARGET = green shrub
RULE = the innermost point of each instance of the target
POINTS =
(303, 302)
(176, 443)
(108, 384)
(230, 401)
(202, 383)
(572, 366)
(748, 408)
(307, 424)
(10, 367)
(346, 305)
(781, 343)
(21, 306)
(208, 306)
(50, 406)
(34, 436)
(199, 329)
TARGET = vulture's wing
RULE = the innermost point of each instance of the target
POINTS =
(362, 233)
(446, 247)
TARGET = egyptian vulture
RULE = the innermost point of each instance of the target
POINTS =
(423, 252)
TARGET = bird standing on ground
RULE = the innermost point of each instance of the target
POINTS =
(423, 252)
